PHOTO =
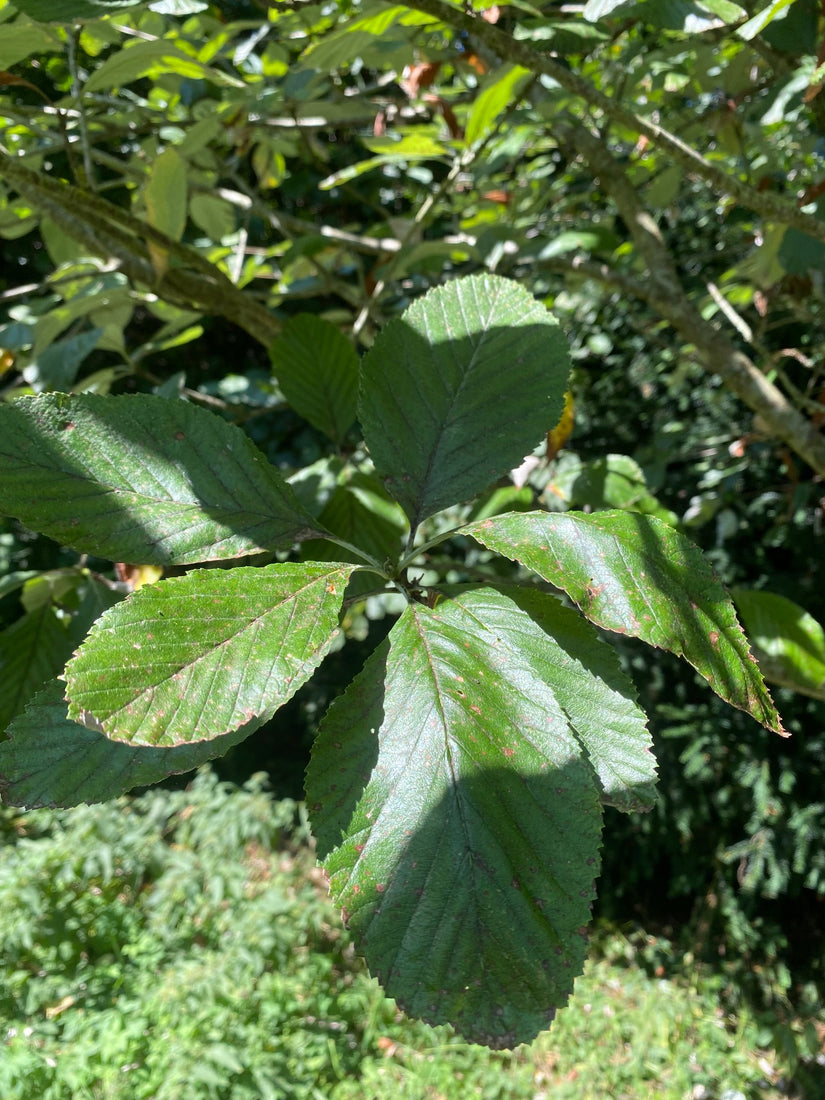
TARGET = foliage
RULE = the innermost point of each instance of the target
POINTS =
(645, 169)
(180, 944)
(455, 786)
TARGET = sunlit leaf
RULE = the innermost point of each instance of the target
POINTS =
(459, 389)
(788, 642)
(495, 96)
(193, 658)
(636, 575)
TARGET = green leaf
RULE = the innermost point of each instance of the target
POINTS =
(317, 370)
(21, 40)
(192, 658)
(459, 389)
(788, 642)
(466, 868)
(142, 479)
(58, 365)
(165, 194)
(360, 512)
(49, 760)
(635, 575)
(152, 59)
(412, 148)
(495, 96)
(597, 697)
(762, 19)
(612, 481)
(71, 11)
(32, 651)
(594, 10)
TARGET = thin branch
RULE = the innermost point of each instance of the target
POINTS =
(716, 351)
(107, 231)
(769, 205)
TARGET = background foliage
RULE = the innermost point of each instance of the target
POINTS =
(338, 160)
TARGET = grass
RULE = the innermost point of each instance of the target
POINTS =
(180, 946)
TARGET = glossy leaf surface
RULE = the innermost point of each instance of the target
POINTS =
(142, 479)
(194, 657)
(636, 575)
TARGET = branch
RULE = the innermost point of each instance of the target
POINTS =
(769, 205)
(664, 291)
(105, 230)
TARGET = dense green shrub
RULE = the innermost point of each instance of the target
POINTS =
(181, 946)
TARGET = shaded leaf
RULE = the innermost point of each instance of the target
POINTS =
(495, 96)
(165, 196)
(32, 651)
(142, 479)
(788, 642)
(51, 761)
(19, 41)
(192, 658)
(597, 697)
(71, 11)
(459, 389)
(317, 370)
(635, 575)
(466, 868)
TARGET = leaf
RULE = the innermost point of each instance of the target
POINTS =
(142, 479)
(71, 11)
(20, 40)
(317, 370)
(636, 575)
(466, 868)
(611, 481)
(51, 761)
(165, 195)
(58, 365)
(597, 697)
(412, 148)
(152, 59)
(495, 96)
(594, 10)
(32, 650)
(192, 658)
(762, 19)
(360, 512)
(459, 389)
(788, 642)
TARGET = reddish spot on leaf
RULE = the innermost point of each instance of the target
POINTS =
(714, 637)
